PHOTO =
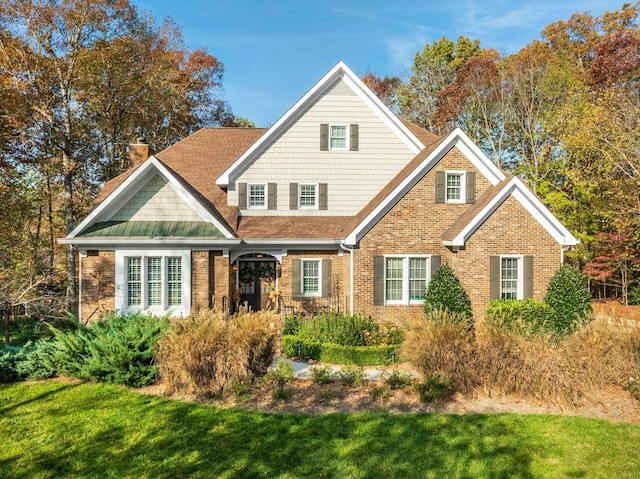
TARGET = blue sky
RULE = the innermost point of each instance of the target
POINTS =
(276, 50)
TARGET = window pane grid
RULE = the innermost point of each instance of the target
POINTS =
(256, 196)
(134, 282)
(338, 137)
(394, 281)
(417, 278)
(509, 278)
(310, 277)
(307, 196)
(454, 186)
(154, 282)
(174, 281)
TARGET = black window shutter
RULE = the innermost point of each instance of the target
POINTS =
(470, 180)
(494, 277)
(378, 280)
(528, 277)
(242, 196)
(324, 137)
(273, 196)
(296, 280)
(441, 192)
(322, 196)
(326, 278)
(293, 196)
(436, 261)
(354, 142)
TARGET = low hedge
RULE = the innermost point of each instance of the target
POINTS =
(526, 317)
(295, 346)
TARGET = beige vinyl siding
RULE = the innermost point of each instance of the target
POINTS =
(156, 201)
(353, 177)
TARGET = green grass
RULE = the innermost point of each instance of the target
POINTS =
(55, 429)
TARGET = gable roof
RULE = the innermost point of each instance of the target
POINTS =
(421, 164)
(340, 71)
(189, 166)
(462, 229)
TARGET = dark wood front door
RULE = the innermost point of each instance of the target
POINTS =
(257, 278)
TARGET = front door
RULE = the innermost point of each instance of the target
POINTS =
(257, 278)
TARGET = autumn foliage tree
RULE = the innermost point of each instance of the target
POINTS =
(617, 255)
(96, 75)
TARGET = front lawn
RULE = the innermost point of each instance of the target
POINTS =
(58, 429)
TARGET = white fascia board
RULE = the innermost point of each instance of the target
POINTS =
(530, 202)
(109, 243)
(476, 156)
(130, 187)
(339, 71)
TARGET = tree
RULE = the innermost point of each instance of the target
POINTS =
(433, 69)
(96, 73)
(616, 256)
(384, 88)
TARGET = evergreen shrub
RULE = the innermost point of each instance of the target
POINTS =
(569, 297)
(119, 349)
(526, 317)
(445, 293)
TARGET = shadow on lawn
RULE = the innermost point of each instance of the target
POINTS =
(160, 438)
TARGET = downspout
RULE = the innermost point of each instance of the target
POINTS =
(350, 250)
(80, 256)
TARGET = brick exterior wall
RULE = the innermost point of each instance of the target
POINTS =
(201, 281)
(97, 285)
(221, 279)
(415, 225)
(339, 273)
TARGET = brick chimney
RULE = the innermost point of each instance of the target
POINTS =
(139, 152)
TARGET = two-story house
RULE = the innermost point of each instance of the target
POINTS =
(339, 204)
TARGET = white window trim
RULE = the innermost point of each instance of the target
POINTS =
(463, 186)
(347, 138)
(266, 196)
(316, 187)
(520, 286)
(302, 291)
(121, 281)
(406, 299)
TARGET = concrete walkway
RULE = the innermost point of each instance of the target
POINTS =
(301, 369)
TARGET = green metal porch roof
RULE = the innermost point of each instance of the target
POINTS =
(152, 229)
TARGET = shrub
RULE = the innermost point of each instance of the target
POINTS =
(528, 317)
(380, 392)
(634, 295)
(294, 346)
(8, 371)
(434, 388)
(281, 374)
(202, 355)
(37, 360)
(440, 344)
(119, 349)
(337, 328)
(446, 293)
(321, 374)
(351, 376)
(396, 379)
(569, 297)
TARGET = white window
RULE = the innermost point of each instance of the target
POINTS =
(256, 196)
(308, 196)
(455, 185)
(338, 137)
(406, 279)
(158, 282)
(311, 277)
(511, 277)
